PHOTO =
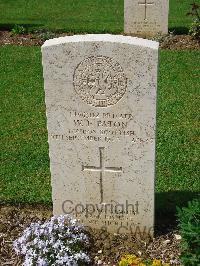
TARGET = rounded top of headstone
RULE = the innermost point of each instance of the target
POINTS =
(102, 38)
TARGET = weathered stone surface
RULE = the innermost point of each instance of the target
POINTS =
(146, 17)
(100, 93)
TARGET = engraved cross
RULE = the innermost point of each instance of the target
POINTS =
(145, 4)
(102, 169)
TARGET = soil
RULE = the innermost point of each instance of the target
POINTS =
(170, 42)
(105, 248)
(180, 42)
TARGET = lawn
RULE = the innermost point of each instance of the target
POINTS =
(96, 16)
(25, 175)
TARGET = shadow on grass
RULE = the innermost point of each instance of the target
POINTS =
(179, 30)
(10, 26)
(43, 28)
(165, 208)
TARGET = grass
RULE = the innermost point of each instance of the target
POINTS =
(25, 175)
(97, 16)
(25, 163)
(178, 117)
(178, 129)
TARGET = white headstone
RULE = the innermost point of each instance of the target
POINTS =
(146, 17)
(100, 93)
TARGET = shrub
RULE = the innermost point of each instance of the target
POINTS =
(194, 30)
(59, 241)
(45, 34)
(189, 226)
(18, 29)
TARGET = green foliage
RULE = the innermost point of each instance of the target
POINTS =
(159, 37)
(194, 30)
(47, 35)
(18, 29)
(194, 11)
(44, 34)
(189, 225)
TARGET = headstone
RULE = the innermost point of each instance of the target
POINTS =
(146, 17)
(100, 93)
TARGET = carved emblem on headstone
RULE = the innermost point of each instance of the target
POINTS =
(100, 81)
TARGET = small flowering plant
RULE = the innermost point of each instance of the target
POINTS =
(129, 260)
(59, 241)
(132, 260)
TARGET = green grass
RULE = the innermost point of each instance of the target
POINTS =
(25, 164)
(178, 116)
(178, 124)
(178, 19)
(97, 16)
(25, 175)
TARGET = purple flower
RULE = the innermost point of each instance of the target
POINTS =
(53, 243)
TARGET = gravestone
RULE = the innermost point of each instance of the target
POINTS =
(100, 94)
(146, 17)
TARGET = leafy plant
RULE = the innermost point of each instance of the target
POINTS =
(194, 30)
(59, 241)
(161, 38)
(189, 226)
(18, 29)
(46, 35)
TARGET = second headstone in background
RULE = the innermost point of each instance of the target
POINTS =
(146, 18)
